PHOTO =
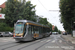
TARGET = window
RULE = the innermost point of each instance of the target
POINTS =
(19, 28)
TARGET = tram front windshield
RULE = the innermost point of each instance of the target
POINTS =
(19, 28)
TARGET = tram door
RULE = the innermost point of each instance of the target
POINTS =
(31, 30)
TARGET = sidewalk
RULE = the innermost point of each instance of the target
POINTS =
(69, 38)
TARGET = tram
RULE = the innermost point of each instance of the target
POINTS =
(25, 30)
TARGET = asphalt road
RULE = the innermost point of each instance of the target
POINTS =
(54, 42)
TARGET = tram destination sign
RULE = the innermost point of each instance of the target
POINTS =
(2, 16)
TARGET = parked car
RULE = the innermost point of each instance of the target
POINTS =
(7, 34)
(1, 34)
(64, 33)
(50, 33)
(54, 33)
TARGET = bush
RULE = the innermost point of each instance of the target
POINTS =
(4, 27)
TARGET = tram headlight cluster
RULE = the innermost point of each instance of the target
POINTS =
(21, 36)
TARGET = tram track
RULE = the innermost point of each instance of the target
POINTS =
(63, 44)
(33, 42)
(56, 43)
(68, 43)
(7, 44)
(43, 44)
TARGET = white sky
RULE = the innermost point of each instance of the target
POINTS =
(52, 16)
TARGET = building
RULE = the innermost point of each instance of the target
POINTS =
(53, 27)
(2, 6)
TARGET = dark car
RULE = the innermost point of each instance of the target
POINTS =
(0, 34)
(64, 33)
(50, 33)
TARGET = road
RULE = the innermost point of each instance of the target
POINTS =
(54, 42)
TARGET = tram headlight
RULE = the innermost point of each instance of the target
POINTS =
(21, 36)
(13, 35)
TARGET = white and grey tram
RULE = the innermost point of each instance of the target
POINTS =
(25, 30)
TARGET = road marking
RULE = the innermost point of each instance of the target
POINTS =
(42, 41)
(73, 42)
(63, 47)
(67, 47)
(37, 40)
(47, 40)
(7, 40)
(52, 47)
(60, 41)
(53, 41)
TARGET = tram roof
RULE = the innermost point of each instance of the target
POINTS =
(31, 22)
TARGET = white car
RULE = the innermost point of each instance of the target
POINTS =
(7, 34)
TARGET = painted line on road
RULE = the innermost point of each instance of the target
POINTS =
(60, 41)
(42, 41)
(62, 47)
(48, 40)
(53, 41)
(73, 42)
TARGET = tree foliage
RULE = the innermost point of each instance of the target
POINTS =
(5, 27)
(15, 10)
(56, 29)
(50, 25)
(59, 31)
(43, 21)
(67, 9)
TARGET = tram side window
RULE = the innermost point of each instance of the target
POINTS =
(40, 30)
(36, 29)
(32, 29)
(43, 30)
(29, 29)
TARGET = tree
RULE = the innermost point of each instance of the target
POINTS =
(15, 10)
(29, 11)
(10, 14)
(43, 21)
(67, 9)
(55, 29)
(50, 25)
(5, 27)
(59, 31)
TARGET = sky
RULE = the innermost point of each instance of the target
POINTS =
(44, 8)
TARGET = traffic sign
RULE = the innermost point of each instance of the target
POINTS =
(2, 16)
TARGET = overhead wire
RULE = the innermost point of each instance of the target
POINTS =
(47, 11)
(44, 7)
